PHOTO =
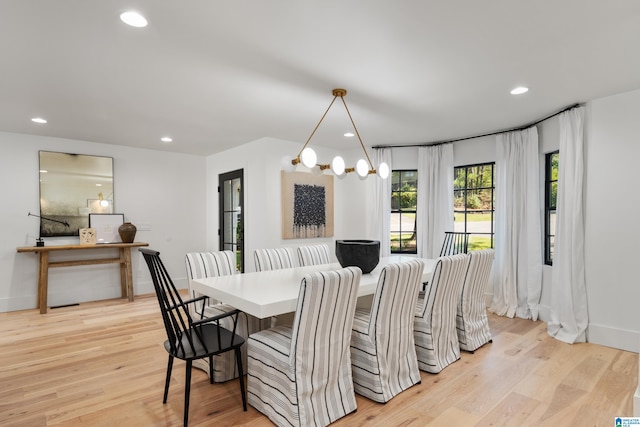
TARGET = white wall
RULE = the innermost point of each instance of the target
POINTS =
(612, 206)
(165, 190)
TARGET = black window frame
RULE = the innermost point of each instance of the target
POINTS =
(401, 211)
(550, 205)
(466, 189)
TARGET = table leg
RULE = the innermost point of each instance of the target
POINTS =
(43, 281)
(127, 261)
(123, 272)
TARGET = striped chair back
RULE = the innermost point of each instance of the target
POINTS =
(472, 324)
(300, 375)
(314, 254)
(320, 339)
(209, 264)
(383, 353)
(435, 323)
(275, 259)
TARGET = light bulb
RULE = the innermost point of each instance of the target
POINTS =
(362, 168)
(308, 157)
(337, 165)
(383, 170)
(104, 203)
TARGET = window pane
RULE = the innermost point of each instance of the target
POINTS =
(474, 204)
(403, 216)
(554, 195)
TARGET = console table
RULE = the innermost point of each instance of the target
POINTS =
(124, 259)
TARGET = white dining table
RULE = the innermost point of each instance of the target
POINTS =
(270, 293)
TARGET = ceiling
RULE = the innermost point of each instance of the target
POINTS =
(217, 74)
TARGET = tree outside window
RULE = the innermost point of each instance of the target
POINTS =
(404, 197)
(474, 204)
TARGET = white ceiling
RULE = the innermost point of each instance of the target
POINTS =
(216, 74)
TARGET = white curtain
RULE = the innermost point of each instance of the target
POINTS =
(380, 194)
(435, 198)
(569, 317)
(517, 280)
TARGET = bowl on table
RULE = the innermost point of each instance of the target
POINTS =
(360, 253)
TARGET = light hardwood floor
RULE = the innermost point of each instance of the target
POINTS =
(103, 364)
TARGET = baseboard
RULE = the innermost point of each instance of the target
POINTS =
(621, 339)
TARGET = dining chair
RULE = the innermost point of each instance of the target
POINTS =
(472, 324)
(300, 375)
(191, 339)
(214, 264)
(434, 327)
(274, 259)
(454, 243)
(314, 254)
(383, 353)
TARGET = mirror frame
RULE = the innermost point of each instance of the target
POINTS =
(71, 187)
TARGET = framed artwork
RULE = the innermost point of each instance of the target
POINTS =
(307, 205)
(106, 226)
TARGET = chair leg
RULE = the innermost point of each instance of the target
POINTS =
(166, 383)
(241, 378)
(187, 391)
(211, 369)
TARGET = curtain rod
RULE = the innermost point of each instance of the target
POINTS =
(427, 144)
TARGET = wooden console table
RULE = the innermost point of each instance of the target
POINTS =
(126, 278)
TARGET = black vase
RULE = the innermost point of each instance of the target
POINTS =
(360, 253)
(127, 232)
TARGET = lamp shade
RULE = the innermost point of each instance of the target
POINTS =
(337, 165)
(383, 170)
(362, 168)
(308, 157)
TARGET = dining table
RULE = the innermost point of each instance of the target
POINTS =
(265, 294)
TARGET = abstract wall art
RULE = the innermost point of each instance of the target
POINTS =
(307, 205)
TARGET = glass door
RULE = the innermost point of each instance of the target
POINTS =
(231, 229)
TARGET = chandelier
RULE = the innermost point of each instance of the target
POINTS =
(307, 156)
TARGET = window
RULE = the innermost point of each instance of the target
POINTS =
(473, 203)
(550, 198)
(404, 196)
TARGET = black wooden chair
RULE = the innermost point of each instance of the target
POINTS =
(454, 243)
(190, 339)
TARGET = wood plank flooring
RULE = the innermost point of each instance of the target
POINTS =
(103, 364)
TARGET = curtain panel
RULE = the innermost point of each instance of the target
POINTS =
(380, 193)
(517, 279)
(435, 198)
(569, 316)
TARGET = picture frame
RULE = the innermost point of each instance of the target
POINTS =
(106, 226)
(307, 205)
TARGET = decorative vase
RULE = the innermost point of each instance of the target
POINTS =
(127, 232)
(360, 253)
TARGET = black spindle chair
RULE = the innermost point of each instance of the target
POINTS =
(190, 339)
(454, 243)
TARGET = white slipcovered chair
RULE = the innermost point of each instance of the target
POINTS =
(472, 324)
(314, 254)
(212, 264)
(275, 259)
(383, 354)
(435, 320)
(300, 375)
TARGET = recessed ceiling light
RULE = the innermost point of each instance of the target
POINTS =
(349, 134)
(519, 90)
(166, 139)
(38, 120)
(134, 19)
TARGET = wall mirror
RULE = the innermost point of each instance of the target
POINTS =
(71, 187)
